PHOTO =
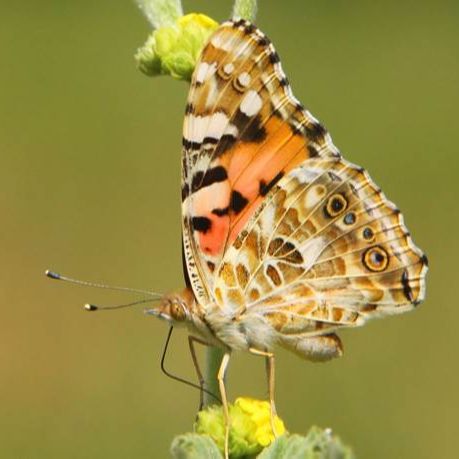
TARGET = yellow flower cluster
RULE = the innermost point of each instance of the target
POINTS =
(259, 412)
(250, 429)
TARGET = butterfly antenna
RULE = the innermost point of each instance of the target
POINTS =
(57, 276)
(178, 378)
(95, 307)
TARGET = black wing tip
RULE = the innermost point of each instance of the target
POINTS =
(424, 259)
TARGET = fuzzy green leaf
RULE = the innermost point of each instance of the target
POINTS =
(318, 444)
(194, 446)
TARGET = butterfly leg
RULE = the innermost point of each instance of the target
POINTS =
(191, 341)
(221, 384)
(271, 373)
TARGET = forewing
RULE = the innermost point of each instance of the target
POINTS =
(243, 132)
(326, 249)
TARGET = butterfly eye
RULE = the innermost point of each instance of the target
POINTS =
(177, 312)
(335, 205)
(376, 259)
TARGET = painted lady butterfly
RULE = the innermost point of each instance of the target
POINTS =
(284, 241)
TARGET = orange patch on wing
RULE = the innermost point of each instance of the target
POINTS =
(212, 241)
(204, 202)
(249, 165)
(252, 164)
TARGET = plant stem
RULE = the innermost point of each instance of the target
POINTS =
(214, 357)
(161, 13)
(245, 9)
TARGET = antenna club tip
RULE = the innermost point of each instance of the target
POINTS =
(90, 307)
(52, 274)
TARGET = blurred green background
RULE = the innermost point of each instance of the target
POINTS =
(90, 173)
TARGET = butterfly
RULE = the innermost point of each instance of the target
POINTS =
(284, 241)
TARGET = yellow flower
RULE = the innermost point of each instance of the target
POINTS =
(259, 412)
(250, 430)
(198, 19)
(174, 49)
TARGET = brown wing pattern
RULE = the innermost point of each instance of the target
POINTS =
(326, 249)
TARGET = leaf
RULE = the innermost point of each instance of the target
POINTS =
(318, 444)
(292, 447)
(193, 446)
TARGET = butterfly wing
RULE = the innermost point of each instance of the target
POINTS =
(276, 224)
(243, 132)
(326, 249)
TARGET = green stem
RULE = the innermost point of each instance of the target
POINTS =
(214, 356)
(161, 13)
(245, 9)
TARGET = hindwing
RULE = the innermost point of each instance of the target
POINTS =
(325, 249)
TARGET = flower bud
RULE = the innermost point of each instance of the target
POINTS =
(174, 49)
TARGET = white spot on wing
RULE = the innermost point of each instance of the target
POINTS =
(311, 251)
(304, 175)
(251, 104)
(314, 196)
(244, 79)
(212, 94)
(217, 124)
(219, 42)
(205, 71)
(214, 126)
(228, 69)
